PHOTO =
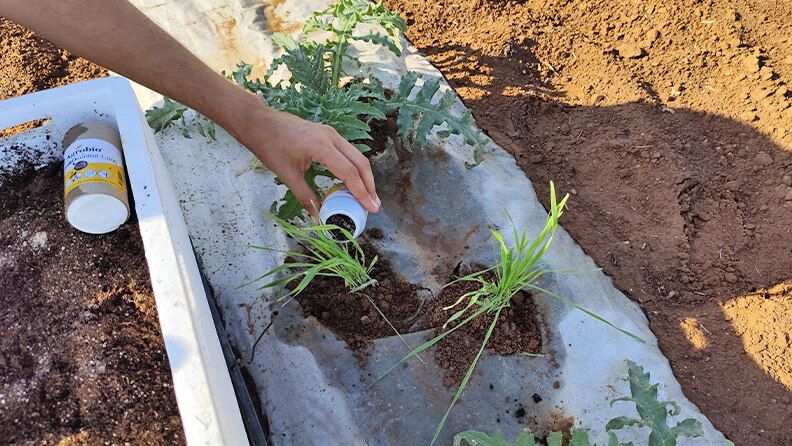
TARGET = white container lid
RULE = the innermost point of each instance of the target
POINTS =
(342, 202)
(96, 213)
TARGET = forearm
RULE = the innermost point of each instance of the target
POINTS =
(114, 34)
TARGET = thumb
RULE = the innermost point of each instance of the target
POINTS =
(304, 194)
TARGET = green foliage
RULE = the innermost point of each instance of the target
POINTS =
(160, 118)
(313, 90)
(173, 113)
(418, 114)
(323, 256)
(526, 438)
(342, 19)
(652, 413)
(518, 268)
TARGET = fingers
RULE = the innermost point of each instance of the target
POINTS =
(336, 161)
(304, 194)
(361, 163)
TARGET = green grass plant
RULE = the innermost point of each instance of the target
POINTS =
(518, 268)
(322, 257)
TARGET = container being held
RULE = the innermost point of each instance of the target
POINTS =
(342, 209)
(94, 181)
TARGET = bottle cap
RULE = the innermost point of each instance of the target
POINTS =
(342, 209)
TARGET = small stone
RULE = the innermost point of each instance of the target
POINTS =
(39, 240)
(787, 180)
(652, 35)
(631, 51)
(732, 185)
(751, 64)
(749, 116)
(730, 277)
(364, 320)
(763, 159)
(782, 91)
(325, 315)
(788, 196)
(766, 73)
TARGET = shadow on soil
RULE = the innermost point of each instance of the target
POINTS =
(686, 211)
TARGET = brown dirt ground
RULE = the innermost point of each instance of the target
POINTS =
(670, 124)
(81, 359)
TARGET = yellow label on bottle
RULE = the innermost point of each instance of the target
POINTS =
(107, 173)
(93, 160)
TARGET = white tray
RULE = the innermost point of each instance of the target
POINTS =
(204, 392)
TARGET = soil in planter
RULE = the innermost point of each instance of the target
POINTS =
(82, 359)
(670, 123)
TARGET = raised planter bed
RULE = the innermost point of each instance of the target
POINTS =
(116, 333)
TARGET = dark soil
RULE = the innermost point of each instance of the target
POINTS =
(356, 319)
(81, 357)
(343, 222)
(516, 332)
(670, 123)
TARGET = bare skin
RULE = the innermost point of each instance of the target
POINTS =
(124, 40)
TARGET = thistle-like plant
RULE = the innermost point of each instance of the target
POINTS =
(652, 413)
(322, 256)
(518, 268)
(317, 88)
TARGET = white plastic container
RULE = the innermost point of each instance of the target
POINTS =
(94, 179)
(339, 202)
(205, 395)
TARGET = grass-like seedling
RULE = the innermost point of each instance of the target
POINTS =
(323, 256)
(518, 268)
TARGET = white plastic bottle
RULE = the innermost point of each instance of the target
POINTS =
(94, 181)
(342, 209)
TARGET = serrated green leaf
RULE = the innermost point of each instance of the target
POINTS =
(688, 427)
(305, 61)
(288, 208)
(476, 438)
(652, 412)
(376, 38)
(621, 422)
(160, 118)
(418, 115)
(579, 437)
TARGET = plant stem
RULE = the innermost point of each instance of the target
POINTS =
(342, 40)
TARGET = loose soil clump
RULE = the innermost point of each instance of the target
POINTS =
(356, 318)
(82, 357)
(670, 123)
(517, 331)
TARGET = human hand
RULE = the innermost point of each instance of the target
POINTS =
(288, 145)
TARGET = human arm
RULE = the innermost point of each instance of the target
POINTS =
(114, 34)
